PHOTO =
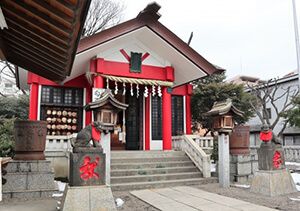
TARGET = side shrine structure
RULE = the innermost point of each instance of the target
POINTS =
(145, 65)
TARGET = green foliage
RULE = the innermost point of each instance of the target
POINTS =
(293, 115)
(6, 137)
(212, 89)
(13, 107)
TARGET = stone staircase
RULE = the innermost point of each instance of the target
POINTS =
(131, 170)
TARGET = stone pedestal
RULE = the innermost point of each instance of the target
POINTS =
(273, 183)
(88, 198)
(29, 179)
(223, 164)
(270, 156)
(87, 166)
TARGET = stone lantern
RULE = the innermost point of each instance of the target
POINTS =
(105, 110)
(222, 113)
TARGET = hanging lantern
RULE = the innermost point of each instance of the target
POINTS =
(124, 88)
(116, 88)
(153, 90)
(159, 91)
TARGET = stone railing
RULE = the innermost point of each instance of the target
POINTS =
(58, 152)
(291, 153)
(204, 142)
(58, 143)
(196, 154)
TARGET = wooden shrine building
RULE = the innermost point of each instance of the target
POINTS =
(145, 65)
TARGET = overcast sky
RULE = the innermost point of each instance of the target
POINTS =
(246, 37)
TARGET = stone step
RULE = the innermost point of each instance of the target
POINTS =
(28, 194)
(145, 154)
(161, 184)
(154, 159)
(150, 171)
(155, 177)
(146, 165)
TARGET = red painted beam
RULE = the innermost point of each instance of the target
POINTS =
(145, 56)
(127, 57)
(122, 69)
(166, 119)
(170, 73)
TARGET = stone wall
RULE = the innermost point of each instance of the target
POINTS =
(242, 167)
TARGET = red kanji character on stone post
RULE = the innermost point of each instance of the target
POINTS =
(87, 170)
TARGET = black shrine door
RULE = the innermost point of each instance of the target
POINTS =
(134, 123)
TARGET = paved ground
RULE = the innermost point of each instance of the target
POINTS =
(32, 205)
(192, 199)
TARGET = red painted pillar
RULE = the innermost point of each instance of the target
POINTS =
(147, 123)
(33, 101)
(188, 113)
(166, 119)
(98, 79)
(88, 99)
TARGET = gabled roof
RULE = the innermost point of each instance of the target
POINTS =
(42, 35)
(148, 18)
(105, 98)
(223, 107)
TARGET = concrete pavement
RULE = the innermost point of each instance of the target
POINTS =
(192, 199)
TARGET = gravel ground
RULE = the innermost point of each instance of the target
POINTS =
(279, 202)
(131, 203)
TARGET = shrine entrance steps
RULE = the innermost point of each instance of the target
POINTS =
(132, 170)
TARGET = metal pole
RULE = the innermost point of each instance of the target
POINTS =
(296, 40)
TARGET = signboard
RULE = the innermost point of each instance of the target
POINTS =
(97, 93)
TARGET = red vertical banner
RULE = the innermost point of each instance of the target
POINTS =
(166, 119)
(147, 123)
(33, 101)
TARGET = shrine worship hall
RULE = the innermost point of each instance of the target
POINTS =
(145, 65)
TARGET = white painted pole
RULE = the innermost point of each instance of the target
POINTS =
(296, 40)
(223, 164)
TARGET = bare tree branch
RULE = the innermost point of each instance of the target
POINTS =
(102, 15)
(268, 94)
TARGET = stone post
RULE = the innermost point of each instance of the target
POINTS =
(105, 142)
(223, 165)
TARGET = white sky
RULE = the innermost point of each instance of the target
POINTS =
(246, 37)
